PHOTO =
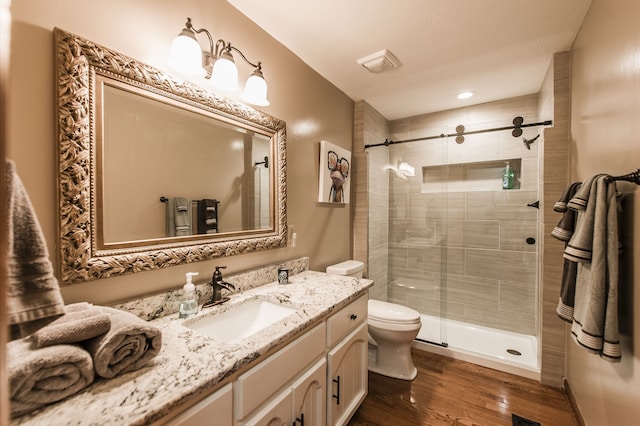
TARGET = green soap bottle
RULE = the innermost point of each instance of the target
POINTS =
(508, 177)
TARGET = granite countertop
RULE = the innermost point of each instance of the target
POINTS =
(190, 364)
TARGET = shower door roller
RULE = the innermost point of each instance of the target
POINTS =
(530, 240)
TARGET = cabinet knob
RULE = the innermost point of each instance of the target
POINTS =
(353, 316)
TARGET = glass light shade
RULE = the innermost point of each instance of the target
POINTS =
(186, 55)
(255, 91)
(224, 75)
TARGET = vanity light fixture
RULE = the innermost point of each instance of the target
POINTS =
(465, 95)
(216, 65)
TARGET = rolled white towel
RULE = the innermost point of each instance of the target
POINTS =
(43, 376)
(127, 346)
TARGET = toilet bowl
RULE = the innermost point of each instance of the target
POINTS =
(392, 328)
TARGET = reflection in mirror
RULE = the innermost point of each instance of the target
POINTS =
(155, 172)
(193, 175)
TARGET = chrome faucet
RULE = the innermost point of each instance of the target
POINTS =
(217, 284)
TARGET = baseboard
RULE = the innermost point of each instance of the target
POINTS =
(572, 401)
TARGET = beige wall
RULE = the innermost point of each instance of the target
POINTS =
(144, 29)
(605, 138)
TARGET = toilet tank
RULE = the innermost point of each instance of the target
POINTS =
(350, 268)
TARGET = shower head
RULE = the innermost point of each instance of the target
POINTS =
(528, 142)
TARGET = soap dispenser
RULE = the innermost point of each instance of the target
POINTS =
(508, 176)
(189, 304)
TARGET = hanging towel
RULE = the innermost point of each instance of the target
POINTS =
(579, 247)
(43, 376)
(594, 246)
(33, 296)
(563, 232)
(73, 327)
(207, 216)
(178, 217)
(127, 346)
(560, 206)
(565, 228)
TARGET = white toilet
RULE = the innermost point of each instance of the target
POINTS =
(392, 328)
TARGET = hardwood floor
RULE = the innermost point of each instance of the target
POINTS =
(452, 392)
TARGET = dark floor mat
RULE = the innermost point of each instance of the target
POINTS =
(521, 421)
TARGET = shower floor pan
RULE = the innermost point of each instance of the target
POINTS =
(501, 350)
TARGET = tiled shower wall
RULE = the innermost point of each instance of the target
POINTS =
(371, 197)
(457, 240)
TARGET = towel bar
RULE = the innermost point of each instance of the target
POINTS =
(630, 177)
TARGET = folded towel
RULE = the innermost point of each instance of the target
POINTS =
(42, 376)
(73, 327)
(207, 216)
(182, 217)
(127, 346)
(33, 296)
(75, 307)
(178, 223)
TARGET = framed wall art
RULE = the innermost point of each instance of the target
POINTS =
(334, 183)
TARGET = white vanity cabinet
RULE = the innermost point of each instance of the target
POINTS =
(302, 404)
(272, 386)
(218, 406)
(309, 397)
(276, 412)
(318, 379)
(347, 361)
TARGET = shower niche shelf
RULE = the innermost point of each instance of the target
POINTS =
(470, 177)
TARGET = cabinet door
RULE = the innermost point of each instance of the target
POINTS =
(264, 380)
(309, 396)
(216, 406)
(277, 412)
(347, 376)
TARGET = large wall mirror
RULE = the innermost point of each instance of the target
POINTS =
(154, 171)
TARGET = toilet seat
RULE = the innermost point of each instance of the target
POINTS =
(391, 314)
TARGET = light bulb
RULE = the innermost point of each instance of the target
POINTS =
(255, 91)
(186, 54)
(224, 75)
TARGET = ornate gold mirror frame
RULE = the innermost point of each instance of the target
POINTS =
(79, 63)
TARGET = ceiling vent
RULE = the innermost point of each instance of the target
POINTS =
(379, 62)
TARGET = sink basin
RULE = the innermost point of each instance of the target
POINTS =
(240, 321)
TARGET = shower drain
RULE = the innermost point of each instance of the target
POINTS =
(514, 352)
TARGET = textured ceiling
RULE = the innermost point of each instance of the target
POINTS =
(495, 48)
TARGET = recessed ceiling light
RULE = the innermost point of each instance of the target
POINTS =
(465, 95)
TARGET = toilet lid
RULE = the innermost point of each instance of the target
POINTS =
(391, 312)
